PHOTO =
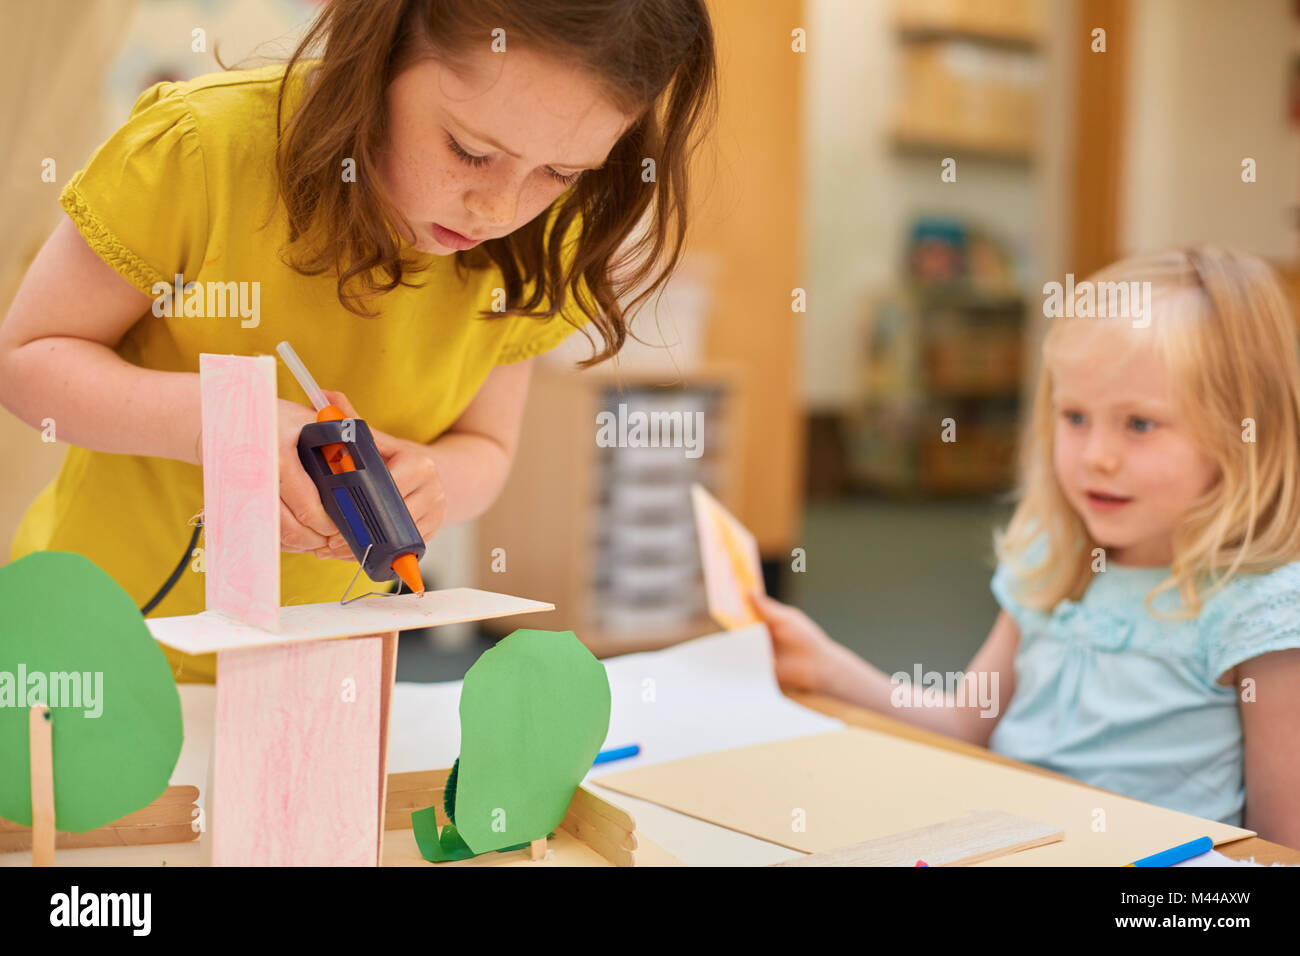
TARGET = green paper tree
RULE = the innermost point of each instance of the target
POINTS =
(534, 711)
(71, 638)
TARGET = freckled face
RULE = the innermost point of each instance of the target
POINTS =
(476, 157)
(1125, 458)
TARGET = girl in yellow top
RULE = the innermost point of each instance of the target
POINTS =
(427, 195)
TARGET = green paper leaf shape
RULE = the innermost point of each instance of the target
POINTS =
(61, 614)
(534, 712)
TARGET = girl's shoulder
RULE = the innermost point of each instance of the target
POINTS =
(189, 153)
(1252, 614)
(234, 105)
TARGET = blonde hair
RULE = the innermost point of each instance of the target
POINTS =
(1221, 324)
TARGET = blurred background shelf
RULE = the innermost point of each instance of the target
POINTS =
(1017, 23)
(608, 533)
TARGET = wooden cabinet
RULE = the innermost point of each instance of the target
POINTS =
(596, 515)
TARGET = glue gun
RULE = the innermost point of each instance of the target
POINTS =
(355, 487)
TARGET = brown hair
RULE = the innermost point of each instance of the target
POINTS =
(655, 57)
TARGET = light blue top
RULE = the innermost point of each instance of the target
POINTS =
(1112, 696)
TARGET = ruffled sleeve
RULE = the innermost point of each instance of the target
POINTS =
(1003, 587)
(1264, 617)
(141, 203)
(1006, 581)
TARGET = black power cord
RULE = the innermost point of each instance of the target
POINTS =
(176, 575)
(185, 559)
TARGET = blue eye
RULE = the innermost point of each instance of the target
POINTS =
(1141, 425)
(1073, 418)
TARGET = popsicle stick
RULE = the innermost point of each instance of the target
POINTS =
(408, 800)
(979, 836)
(619, 856)
(418, 780)
(172, 807)
(588, 804)
(591, 829)
(42, 759)
(167, 820)
(537, 849)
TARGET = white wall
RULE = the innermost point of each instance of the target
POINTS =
(853, 218)
(862, 193)
(1208, 87)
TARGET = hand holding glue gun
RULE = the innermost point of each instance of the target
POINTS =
(389, 500)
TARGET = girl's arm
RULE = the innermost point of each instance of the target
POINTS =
(807, 659)
(473, 456)
(1272, 746)
(57, 359)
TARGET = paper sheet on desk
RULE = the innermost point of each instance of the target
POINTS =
(713, 693)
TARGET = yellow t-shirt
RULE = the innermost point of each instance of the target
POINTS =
(187, 186)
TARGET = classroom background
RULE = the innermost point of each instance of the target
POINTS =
(839, 298)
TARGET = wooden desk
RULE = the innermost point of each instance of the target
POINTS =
(1243, 849)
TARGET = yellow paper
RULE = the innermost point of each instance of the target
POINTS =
(830, 790)
(729, 554)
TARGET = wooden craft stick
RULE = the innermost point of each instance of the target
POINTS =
(590, 828)
(591, 805)
(167, 820)
(408, 800)
(979, 836)
(619, 856)
(418, 780)
(537, 849)
(173, 806)
(42, 760)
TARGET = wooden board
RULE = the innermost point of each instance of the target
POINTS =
(296, 756)
(824, 791)
(400, 849)
(207, 632)
(169, 819)
(961, 842)
(241, 488)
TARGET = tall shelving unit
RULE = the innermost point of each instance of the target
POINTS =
(950, 348)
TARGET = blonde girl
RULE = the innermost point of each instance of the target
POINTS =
(1149, 579)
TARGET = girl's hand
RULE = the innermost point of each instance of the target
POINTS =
(413, 472)
(304, 524)
(804, 655)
